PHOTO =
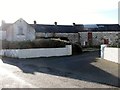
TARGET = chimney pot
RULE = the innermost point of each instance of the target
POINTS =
(55, 23)
(74, 24)
(35, 22)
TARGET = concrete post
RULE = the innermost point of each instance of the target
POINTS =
(69, 49)
(102, 50)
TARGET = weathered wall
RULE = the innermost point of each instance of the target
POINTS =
(83, 38)
(20, 31)
(73, 37)
(2, 35)
(98, 37)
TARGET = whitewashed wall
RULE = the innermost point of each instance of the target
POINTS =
(13, 30)
(41, 52)
(2, 52)
(2, 35)
(112, 54)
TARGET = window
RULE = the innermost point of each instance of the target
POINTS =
(46, 35)
(20, 30)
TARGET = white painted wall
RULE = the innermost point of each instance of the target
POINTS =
(13, 31)
(2, 52)
(102, 50)
(2, 35)
(41, 52)
(112, 54)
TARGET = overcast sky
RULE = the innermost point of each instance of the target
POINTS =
(62, 11)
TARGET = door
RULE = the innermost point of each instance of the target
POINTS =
(90, 38)
(106, 41)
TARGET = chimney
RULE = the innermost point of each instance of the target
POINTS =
(3, 22)
(74, 24)
(55, 23)
(35, 22)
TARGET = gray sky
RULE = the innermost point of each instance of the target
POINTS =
(62, 11)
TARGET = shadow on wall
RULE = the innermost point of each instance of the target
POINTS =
(77, 67)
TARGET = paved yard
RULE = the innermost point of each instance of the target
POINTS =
(78, 71)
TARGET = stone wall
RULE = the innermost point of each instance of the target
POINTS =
(73, 37)
(99, 38)
(83, 38)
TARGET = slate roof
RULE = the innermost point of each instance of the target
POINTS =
(57, 29)
(75, 29)
(110, 27)
(90, 26)
(102, 27)
(71, 28)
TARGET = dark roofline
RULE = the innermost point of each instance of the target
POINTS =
(56, 28)
(54, 25)
(51, 28)
(100, 31)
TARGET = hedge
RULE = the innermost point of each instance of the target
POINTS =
(41, 43)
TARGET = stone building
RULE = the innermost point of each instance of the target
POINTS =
(98, 38)
(95, 35)
(67, 32)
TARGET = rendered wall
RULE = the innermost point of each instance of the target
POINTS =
(112, 54)
(2, 35)
(13, 31)
(41, 52)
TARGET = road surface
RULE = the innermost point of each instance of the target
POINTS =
(79, 71)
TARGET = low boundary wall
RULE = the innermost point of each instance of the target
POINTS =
(38, 52)
(111, 54)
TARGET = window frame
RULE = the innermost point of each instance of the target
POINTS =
(20, 31)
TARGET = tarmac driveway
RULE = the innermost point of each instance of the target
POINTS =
(86, 67)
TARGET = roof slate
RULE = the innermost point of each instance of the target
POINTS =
(75, 29)
(57, 29)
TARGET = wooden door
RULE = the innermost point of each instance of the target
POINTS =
(106, 41)
(90, 38)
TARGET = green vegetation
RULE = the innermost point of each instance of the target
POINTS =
(114, 46)
(41, 43)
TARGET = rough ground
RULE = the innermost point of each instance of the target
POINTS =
(79, 71)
